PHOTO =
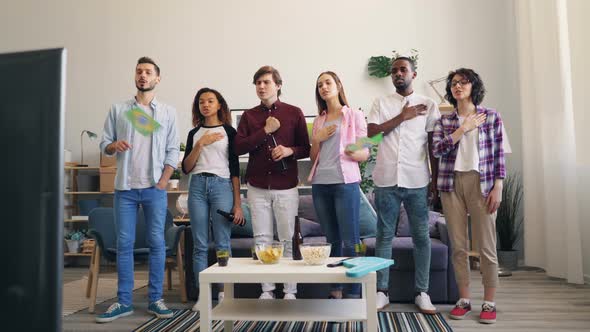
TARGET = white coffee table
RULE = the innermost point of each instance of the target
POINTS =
(247, 270)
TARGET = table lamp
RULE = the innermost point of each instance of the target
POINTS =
(444, 105)
(92, 136)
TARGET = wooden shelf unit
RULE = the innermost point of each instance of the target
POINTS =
(72, 196)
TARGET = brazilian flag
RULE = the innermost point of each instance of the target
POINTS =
(142, 122)
(365, 142)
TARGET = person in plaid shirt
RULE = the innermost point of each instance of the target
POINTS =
(468, 143)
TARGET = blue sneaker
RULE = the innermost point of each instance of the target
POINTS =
(115, 311)
(159, 309)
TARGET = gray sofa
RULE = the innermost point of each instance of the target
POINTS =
(401, 282)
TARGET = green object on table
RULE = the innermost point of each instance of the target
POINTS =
(141, 121)
(365, 142)
(360, 266)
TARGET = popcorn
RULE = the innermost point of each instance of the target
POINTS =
(315, 254)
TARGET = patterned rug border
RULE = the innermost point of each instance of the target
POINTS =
(186, 320)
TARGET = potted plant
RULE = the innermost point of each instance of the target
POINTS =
(509, 222)
(380, 66)
(181, 154)
(366, 168)
(73, 240)
(174, 179)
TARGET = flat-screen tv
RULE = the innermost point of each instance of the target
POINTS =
(32, 124)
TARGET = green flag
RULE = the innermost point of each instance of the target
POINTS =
(141, 121)
(365, 142)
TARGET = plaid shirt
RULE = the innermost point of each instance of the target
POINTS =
(491, 154)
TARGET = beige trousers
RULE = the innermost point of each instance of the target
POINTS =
(467, 198)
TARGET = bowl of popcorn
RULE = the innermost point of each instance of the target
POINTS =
(315, 253)
(269, 253)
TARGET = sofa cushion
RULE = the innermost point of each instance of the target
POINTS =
(315, 239)
(403, 253)
(367, 216)
(246, 230)
(310, 228)
(403, 226)
(367, 219)
(242, 247)
(306, 209)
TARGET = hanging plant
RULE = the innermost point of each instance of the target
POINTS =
(380, 66)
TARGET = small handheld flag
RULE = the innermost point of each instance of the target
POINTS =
(365, 142)
(141, 121)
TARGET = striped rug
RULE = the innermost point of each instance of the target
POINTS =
(186, 320)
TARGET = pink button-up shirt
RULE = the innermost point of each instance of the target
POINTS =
(353, 126)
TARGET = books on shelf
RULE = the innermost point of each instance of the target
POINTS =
(80, 218)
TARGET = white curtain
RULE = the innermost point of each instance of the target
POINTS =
(552, 225)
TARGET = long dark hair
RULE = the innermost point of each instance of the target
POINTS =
(478, 91)
(322, 105)
(222, 114)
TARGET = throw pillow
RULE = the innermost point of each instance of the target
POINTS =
(403, 225)
(306, 208)
(310, 228)
(367, 219)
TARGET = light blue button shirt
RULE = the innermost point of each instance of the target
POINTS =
(165, 142)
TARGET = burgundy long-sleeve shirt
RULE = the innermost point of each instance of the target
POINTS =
(262, 172)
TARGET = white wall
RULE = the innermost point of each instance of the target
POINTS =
(220, 44)
(580, 53)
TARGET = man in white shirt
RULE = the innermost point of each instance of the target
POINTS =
(401, 175)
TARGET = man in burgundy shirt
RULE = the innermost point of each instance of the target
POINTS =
(275, 136)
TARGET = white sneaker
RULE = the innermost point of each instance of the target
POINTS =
(196, 306)
(220, 297)
(289, 296)
(267, 296)
(423, 303)
(382, 300)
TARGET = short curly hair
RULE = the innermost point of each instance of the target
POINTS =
(478, 91)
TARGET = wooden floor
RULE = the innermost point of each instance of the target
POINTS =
(526, 301)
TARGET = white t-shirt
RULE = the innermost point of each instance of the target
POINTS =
(468, 151)
(402, 158)
(140, 176)
(214, 158)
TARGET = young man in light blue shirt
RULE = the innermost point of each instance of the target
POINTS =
(142, 133)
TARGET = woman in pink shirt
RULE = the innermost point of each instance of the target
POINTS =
(335, 174)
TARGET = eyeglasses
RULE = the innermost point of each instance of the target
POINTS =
(462, 82)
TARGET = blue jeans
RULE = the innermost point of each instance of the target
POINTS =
(337, 207)
(206, 195)
(154, 203)
(387, 203)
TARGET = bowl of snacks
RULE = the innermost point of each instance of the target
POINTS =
(269, 253)
(315, 253)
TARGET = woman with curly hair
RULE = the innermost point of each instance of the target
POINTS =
(214, 184)
(468, 143)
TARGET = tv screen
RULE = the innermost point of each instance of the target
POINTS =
(32, 124)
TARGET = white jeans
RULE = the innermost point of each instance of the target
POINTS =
(266, 206)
